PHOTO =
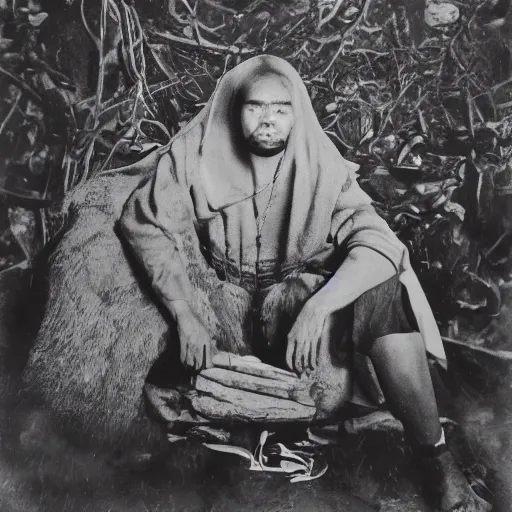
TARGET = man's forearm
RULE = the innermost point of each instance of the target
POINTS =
(362, 270)
(178, 308)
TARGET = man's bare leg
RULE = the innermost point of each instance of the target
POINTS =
(402, 369)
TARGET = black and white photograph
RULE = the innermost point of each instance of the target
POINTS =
(255, 256)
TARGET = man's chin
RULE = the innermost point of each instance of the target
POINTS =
(265, 149)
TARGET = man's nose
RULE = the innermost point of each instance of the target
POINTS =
(267, 117)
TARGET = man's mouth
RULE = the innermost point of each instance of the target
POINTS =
(267, 137)
(265, 145)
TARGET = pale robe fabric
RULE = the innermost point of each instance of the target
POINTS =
(318, 211)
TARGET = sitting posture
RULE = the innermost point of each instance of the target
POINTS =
(258, 240)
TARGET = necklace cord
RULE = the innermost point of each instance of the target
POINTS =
(259, 225)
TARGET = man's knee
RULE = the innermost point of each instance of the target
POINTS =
(383, 310)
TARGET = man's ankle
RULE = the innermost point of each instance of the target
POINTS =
(424, 450)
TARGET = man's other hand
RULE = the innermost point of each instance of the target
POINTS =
(196, 344)
(305, 337)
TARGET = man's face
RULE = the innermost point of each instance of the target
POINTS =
(267, 116)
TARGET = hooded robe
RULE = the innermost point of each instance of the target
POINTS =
(316, 215)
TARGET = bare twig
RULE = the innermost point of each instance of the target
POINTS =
(11, 112)
(507, 104)
(380, 420)
(503, 355)
(21, 84)
(187, 5)
(322, 41)
(303, 48)
(396, 30)
(220, 7)
(174, 13)
(287, 34)
(495, 245)
(346, 34)
(331, 15)
(101, 72)
(92, 35)
(499, 85)
(44, 226)
(390, 111)
(211, 30)
(368, 50)
(453, 52)
(207, 45)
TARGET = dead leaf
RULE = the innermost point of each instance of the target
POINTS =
(306, 478)
(351, 13)
(292, 467)
(236, 450)
(188, 32)
(331, 107)
(5, 44)
(412, 145)
(36, 19)
(456, 209)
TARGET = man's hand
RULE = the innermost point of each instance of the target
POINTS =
(196, 344)
(305, 337)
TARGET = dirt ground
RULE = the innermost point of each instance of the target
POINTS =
(366, 472)
(42, 472)
(369, 472)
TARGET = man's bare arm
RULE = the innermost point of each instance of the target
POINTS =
(362, 270)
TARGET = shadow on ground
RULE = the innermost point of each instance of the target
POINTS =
(41, 472)
(49, 475)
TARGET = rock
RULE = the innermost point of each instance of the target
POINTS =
(440, 14)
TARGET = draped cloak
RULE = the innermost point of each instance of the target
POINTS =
(316, 215)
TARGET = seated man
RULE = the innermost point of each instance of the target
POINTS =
(278, 219)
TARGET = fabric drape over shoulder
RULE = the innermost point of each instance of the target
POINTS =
(205, 182)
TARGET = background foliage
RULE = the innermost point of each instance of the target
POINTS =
(423, 106)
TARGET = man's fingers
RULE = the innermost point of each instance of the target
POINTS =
(316, 352)
(190, 355)
(290, 350)
(299, 357)
(313, 354)
(304, 361)
(183, 351)
(194, 359)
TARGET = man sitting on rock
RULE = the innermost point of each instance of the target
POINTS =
(258, 240)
